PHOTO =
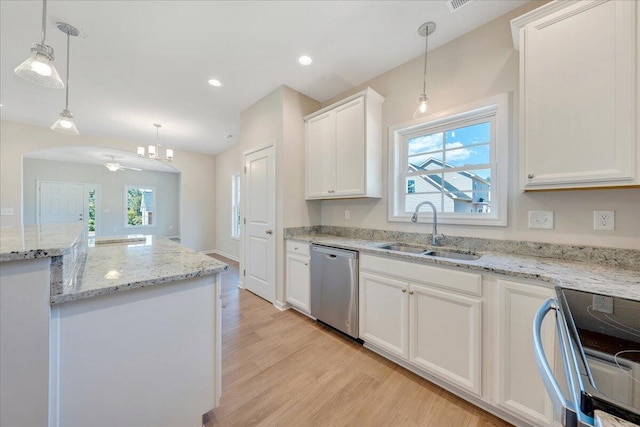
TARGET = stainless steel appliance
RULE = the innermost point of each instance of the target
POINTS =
(334, 288)
(599, 339)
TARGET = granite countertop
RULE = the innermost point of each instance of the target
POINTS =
(580, 275)
(130, 265)
(38, 241)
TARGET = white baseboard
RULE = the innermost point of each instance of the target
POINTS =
(207, 251)
(226, 255)
(240, 284)
(282, 306)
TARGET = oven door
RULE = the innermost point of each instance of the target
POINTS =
(570, 412)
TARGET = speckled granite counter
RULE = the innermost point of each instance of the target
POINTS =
(581, 275)
(123, 266)
(116, 264)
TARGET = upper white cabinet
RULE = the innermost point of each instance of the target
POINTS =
(343, 148)
(579, 95)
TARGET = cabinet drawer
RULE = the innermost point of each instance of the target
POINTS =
(442, 277)
(296, 247)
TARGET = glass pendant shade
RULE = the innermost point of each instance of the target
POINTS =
(140, 151)
(169, 154)
(152, 151)
(423, 106)
(65, 124)
(39, 68)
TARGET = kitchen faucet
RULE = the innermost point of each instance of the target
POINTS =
(414, 218)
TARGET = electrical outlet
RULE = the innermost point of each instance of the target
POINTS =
(603, 304)
(541, 219)
(347, 214)
(604, 220)
(6, 211)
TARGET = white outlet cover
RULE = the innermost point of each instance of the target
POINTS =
(604, 220)
(541, 219)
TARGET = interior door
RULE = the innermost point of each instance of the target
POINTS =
(60, 202)
(260, 213)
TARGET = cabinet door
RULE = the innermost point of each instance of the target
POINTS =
(320, 152)
(446, 335)
(350, 149)
(578, 85)
(520, 388)
(298, 283)
(384, 313)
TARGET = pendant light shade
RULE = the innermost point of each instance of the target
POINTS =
(39, 67)
(422, 109)
(65, 123)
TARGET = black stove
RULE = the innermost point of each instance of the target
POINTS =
(605, 331)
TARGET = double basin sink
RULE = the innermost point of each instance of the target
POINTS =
(429, 252)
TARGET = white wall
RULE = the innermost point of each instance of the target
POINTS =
(111, 205)
(197, 178)
(475, 66)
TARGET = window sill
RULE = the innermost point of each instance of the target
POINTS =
(427, 219)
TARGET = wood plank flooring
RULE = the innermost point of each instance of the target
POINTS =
(284, 369)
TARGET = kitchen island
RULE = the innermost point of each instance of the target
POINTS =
(121, 333)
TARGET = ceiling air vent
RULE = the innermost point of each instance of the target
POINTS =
(455, 5)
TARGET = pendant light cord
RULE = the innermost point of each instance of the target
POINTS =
(66, 104)
(426, 45)
(44, 20)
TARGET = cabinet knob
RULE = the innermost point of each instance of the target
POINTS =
(404, 290)
(530, 176)
(269, 231)
(410, 292)
(306, 263)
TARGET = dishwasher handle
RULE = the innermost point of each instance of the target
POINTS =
(333, 253)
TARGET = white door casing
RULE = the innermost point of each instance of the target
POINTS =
(60, 202)
(259, 217)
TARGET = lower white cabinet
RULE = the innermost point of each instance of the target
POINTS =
(298, 273)
(437, 330)
(384, 313)
(446, 335)
(519, 387)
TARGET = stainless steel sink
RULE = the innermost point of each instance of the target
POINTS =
(428, 251)
(401, 247)
(453, 255)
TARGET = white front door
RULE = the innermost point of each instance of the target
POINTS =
(260, 218)
(60, 202)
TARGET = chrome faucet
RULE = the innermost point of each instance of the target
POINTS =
(414, 218)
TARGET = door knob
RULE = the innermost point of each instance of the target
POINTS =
(269, 231)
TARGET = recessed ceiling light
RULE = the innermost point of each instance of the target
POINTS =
(305, 60)
(214, 82)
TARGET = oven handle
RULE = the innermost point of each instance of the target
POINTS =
(550, 383)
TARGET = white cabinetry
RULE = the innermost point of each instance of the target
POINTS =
(343, 148)
(519, 387)
(579, 92)
(421, 314)
(298, 276)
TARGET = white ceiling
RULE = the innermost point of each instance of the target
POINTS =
(147, 61)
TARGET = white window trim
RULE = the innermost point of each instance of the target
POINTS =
(499, 106)
(234, 190)
(126, 206)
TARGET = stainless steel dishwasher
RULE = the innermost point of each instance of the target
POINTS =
(334, 288)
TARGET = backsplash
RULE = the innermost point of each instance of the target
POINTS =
(627, 258)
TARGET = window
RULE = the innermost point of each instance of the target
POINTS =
(235, 206)
(457, 161)
(141, 206)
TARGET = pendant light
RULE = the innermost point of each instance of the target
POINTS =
(425, 31)
(65, 122)
(39, 67)
(154, 150)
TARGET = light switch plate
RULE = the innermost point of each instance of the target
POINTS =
(604, 220)
(541, 219)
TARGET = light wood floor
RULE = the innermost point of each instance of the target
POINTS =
(283, 369)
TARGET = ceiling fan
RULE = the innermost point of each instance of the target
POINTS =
(114, 167)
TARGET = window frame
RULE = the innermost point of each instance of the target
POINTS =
(236, 192)
(126, 205)
(497, 109)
